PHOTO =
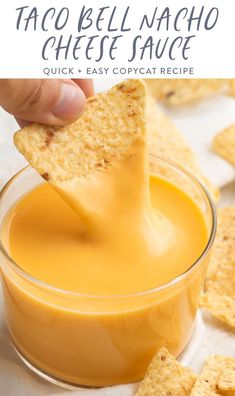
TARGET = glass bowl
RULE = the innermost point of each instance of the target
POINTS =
(73, 339)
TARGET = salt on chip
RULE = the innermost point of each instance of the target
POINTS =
(178, 92)
(208, 381)
(224, 144)
(167, 141)
(166, 377)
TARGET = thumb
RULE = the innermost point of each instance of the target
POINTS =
(46, 101)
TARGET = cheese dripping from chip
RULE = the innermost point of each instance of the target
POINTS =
(99, 165)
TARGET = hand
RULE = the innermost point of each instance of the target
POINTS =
(54, 101)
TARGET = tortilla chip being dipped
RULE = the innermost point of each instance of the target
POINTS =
(106, 146)
(109, 125)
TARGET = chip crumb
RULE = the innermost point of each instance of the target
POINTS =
(166, 377)
(223, 144)
(207, 383)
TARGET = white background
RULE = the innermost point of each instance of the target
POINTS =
(211, 54)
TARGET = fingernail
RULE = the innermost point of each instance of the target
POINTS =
(71, 102)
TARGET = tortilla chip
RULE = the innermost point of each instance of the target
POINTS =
(166, 377)
(224, 144)
(219, 297)
(167, 141)
(207, 383)
(226, 382)
(220, 306)
(178, 92)
(110, 125)
(222, 281)
(224, 247)
(232, 87)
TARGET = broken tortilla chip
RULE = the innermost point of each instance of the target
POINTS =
(167, 141)
(207, 383)
(166, 377)
(224, 144)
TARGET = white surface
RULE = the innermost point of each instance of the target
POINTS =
(198, 123)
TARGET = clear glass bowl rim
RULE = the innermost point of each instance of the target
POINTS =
(48, 287)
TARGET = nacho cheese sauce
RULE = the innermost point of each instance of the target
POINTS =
(99, 341)
(47, 241)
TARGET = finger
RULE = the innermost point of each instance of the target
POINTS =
(86, 85)
(22, 123)
(46, 101)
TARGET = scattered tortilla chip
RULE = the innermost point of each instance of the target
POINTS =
(232, 87)
(224, 144)
(207, 383)
(166, 377)
(222, 281)
(220, 306)
(224, 246)
(110, 124)
(219, 297)
(226, 382)
(178, 92)
(167, 141)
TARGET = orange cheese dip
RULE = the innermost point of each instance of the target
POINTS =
(48, 242)
(101, 340)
